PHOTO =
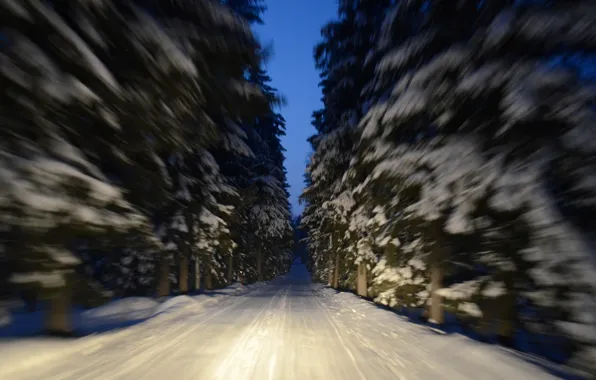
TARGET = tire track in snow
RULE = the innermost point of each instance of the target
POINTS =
(159, 350)
(343, 342)
(276, 344)
(163, 332)
(377, 356)
(241, 362)
(196, 371)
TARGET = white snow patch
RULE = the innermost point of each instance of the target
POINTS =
(494, 290)
(470, 309)
(124, 309)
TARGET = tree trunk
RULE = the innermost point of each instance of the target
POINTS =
(336, 272)
(197, 274)
(163, 278)
(260, 265)
(192, 275)
(436, 308)
(361, 281)
(507, 320)
(208, 278)
(183, 275)
(330, 272)
(230, 268)
(59, 318)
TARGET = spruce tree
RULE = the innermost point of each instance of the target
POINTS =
(104, 115)
(478, 118)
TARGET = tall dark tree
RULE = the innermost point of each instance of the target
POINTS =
(467, 180)
(345, 57)
(111, 144)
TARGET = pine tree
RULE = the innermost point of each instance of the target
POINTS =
(466, 175)
(120, 83)
(344, 58)
(250, 10)
(231, 99)
(478, 118)
(56, 191)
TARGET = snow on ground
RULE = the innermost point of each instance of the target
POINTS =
(413, 351)
(125, 309)
(288, 329)
(111, 322)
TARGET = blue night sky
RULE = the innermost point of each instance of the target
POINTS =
(293, 26)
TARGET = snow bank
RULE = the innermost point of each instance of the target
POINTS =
(117, 314)
(21, 354)
(175, 304)
(135, 308)
(427, 353)
(231, 290)
(26, 353)
(113, 315)
(105, 324)
(124, 309)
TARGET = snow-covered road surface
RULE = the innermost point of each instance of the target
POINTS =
(286, 330)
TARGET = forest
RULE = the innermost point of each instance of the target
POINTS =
(452, 169)
(451, 181)
(140, 152)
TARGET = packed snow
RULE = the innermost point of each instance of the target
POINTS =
(286, 329)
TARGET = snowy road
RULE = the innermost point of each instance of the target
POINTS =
(286, 330)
